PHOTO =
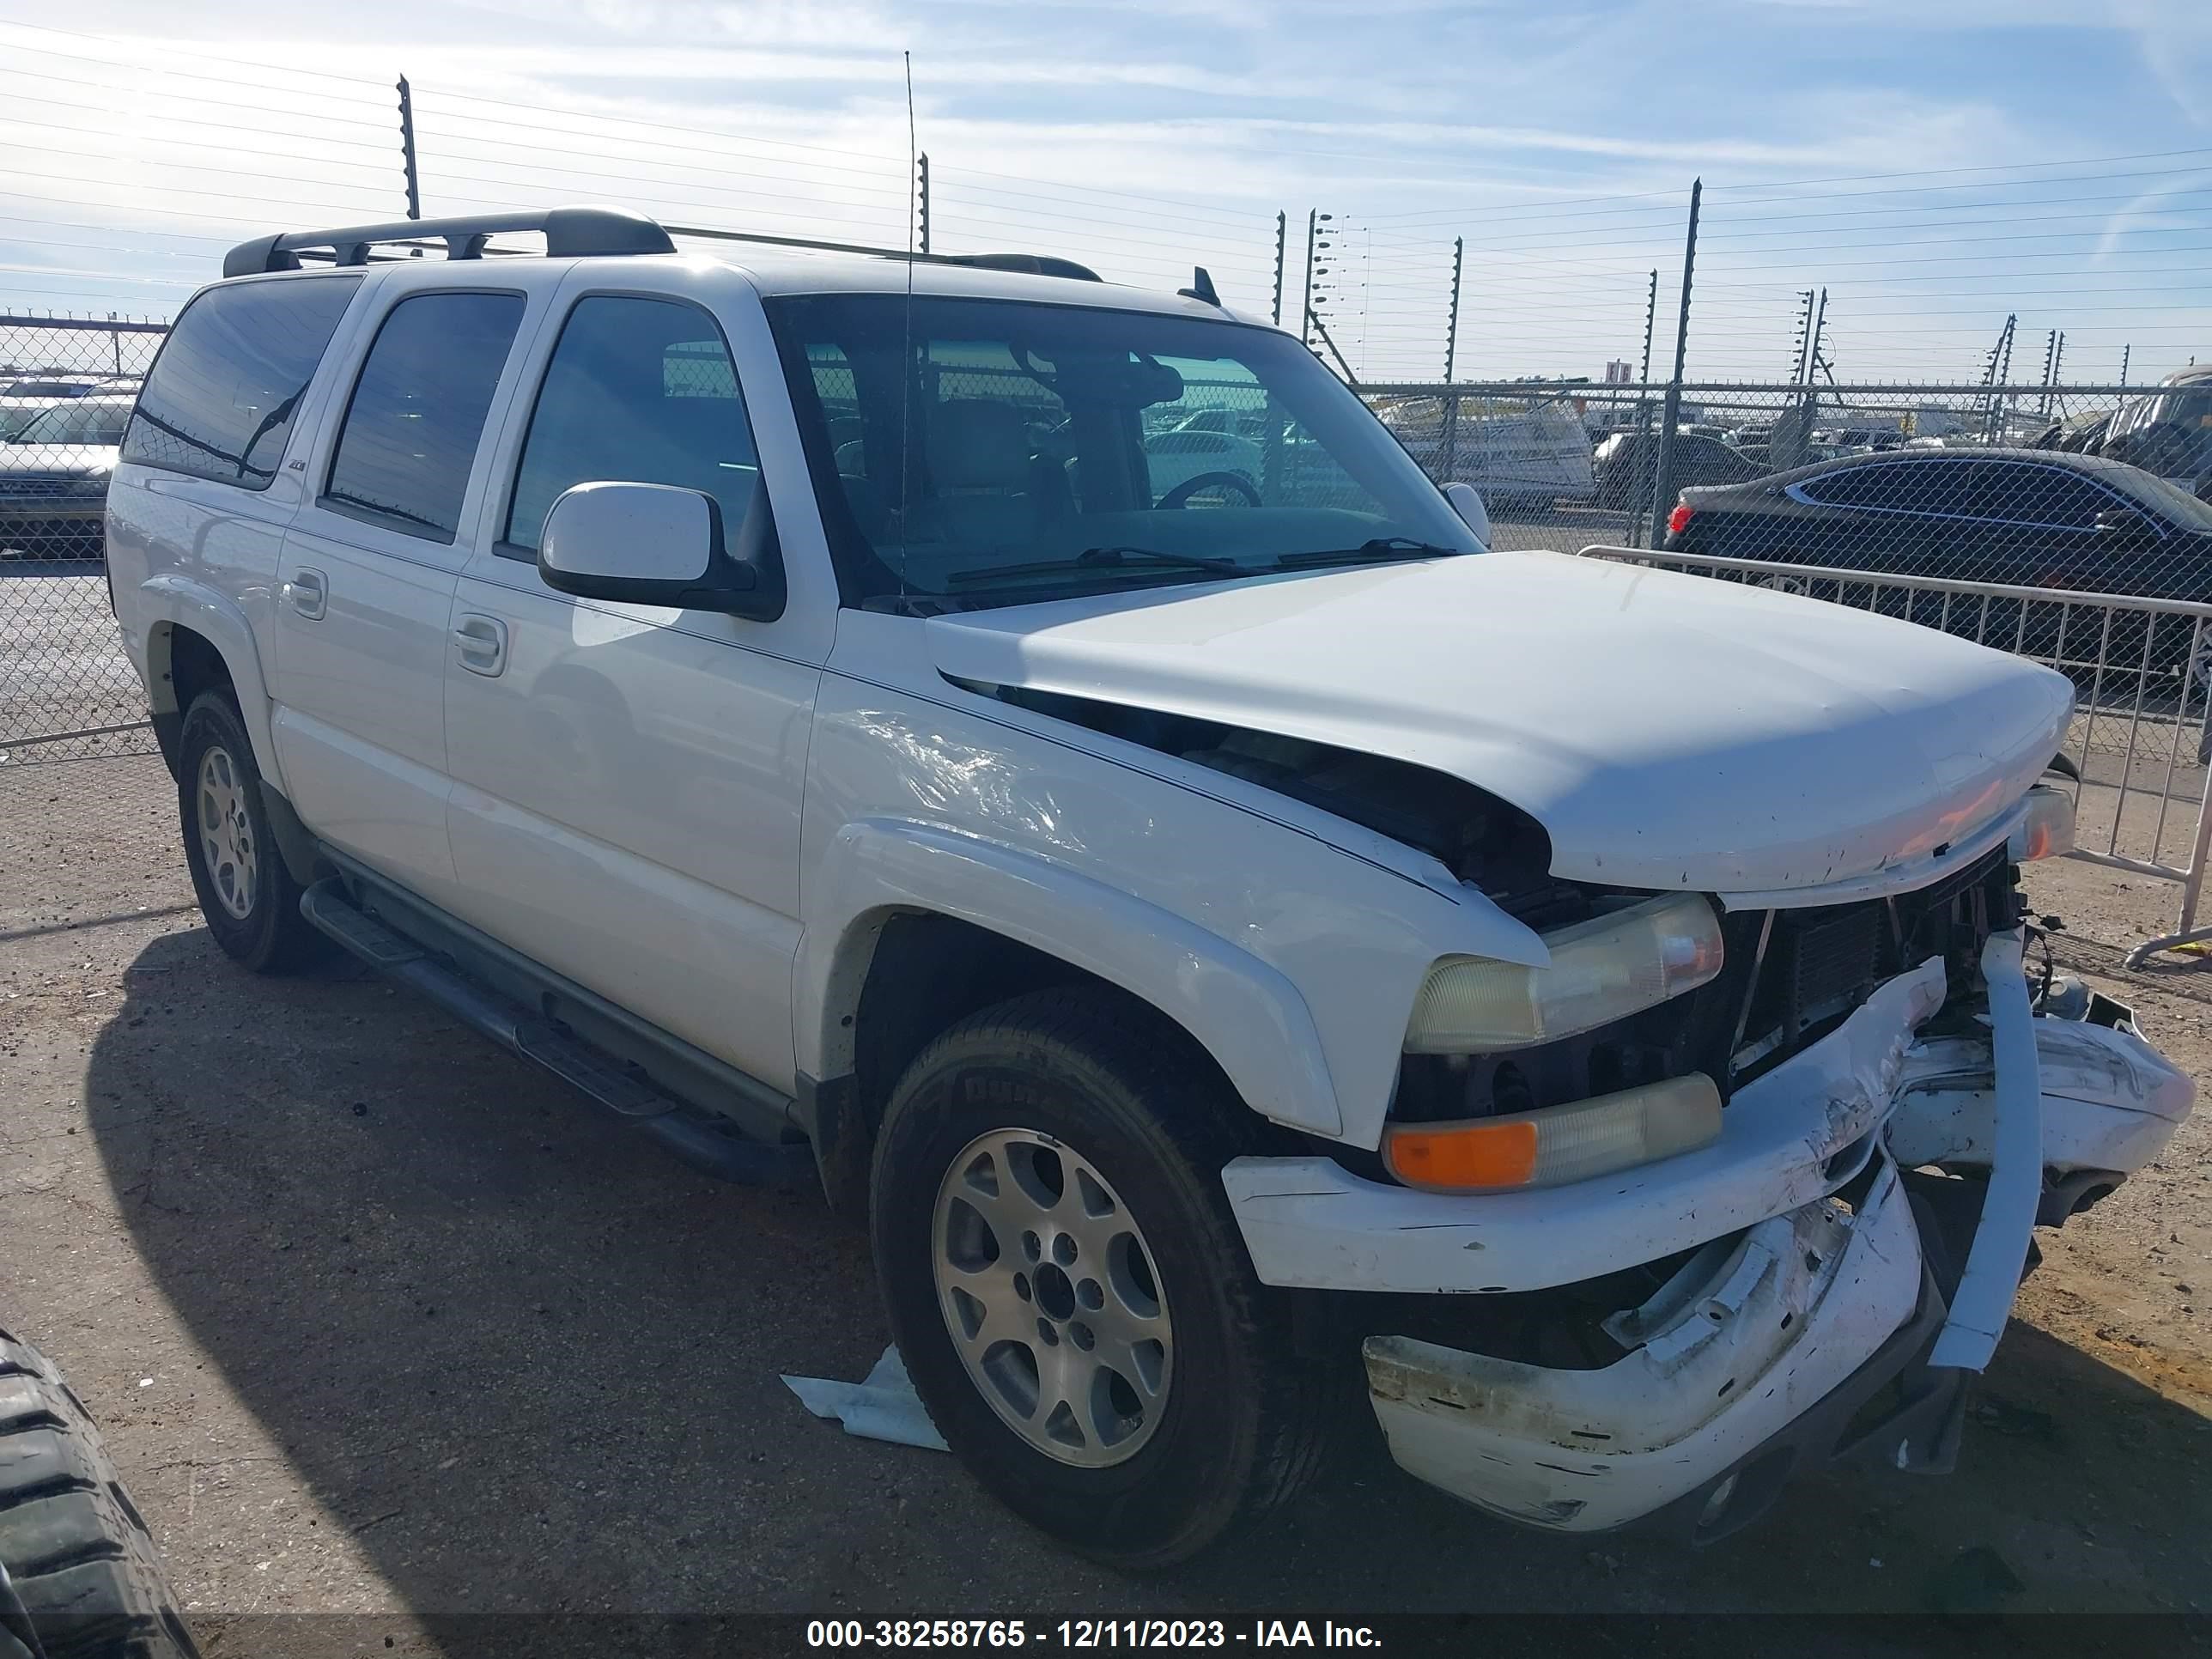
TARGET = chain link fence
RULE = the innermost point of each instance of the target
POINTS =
(67, 692)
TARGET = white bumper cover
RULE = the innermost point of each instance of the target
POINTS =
(1796, 1308)
(1733, 1351)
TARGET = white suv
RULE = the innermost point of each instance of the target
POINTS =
(769, 693)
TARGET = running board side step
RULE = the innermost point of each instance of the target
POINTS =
(709, 1142)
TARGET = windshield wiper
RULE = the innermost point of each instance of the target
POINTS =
(1102, 558)
(1368, 552)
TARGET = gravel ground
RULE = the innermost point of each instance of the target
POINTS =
(381, 1322)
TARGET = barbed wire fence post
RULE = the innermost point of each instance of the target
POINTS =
(1305, 306)
(1671, 415)
(1282, 234)
(922, 199)
(1451, 356)
(409, 163)
(1634, 536)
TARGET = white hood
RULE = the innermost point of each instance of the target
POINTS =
(1668, 730)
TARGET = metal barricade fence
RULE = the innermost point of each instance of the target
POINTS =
(67, 691)
(2142, 733)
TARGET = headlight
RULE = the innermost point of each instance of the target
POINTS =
(2047, 831)
(1559, 1144)
(1601, 970)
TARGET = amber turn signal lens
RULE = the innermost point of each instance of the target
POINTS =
(1559, 1144)
(1464, 1157)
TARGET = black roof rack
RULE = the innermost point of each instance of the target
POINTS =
(1030, 264)
(575, 231)
(569, 232)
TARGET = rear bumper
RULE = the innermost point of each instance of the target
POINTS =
(1801, 1327)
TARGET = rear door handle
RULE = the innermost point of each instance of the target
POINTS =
(310, 593)
(481, 642)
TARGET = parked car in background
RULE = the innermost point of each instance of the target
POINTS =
(2168, 432)
(28, 395)
(1625, 463)
(2026, 518)
(1203, 463)
(1521, 457)
(53, 478)
(2077, 435)
(1243, 422)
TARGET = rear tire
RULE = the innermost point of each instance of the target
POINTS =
(1137, 1126)
(246, 893)
(82, 1579)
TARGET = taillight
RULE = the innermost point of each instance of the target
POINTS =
(1679, 520)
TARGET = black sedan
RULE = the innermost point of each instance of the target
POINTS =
(2026, 518)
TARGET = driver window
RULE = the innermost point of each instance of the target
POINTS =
(638, 392)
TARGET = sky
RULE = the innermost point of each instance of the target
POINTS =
(1934, 167)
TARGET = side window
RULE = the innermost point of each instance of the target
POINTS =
(219, 400)
(1859, 486)
(2014, 492)
(638, 392)
(418, 409)
(2053, 497)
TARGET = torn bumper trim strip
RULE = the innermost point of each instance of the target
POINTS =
(1982, 1302)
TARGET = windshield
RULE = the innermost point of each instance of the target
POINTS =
(995, 452)
(91, 425)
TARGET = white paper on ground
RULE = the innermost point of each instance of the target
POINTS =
(885, 1407)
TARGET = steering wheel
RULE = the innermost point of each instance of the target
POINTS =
(1179, 495)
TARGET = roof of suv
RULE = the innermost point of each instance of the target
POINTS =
(776, 265)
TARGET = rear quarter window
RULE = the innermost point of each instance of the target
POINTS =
(219, 400)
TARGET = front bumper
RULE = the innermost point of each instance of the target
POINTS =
(1802, 1327)
(1754, 1358)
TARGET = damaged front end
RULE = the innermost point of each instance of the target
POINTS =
(1815, 1283)
(1757, 1354)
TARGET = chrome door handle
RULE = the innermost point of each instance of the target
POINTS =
(309, 592)
(481, 642)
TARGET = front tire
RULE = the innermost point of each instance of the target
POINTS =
(1067, 1284)
(246, 893)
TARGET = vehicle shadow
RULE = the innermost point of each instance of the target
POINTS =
(532, 1365)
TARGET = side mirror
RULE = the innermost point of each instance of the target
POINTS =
(1466, 501)
(643, 544)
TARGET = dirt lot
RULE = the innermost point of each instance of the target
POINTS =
(382, 1322)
